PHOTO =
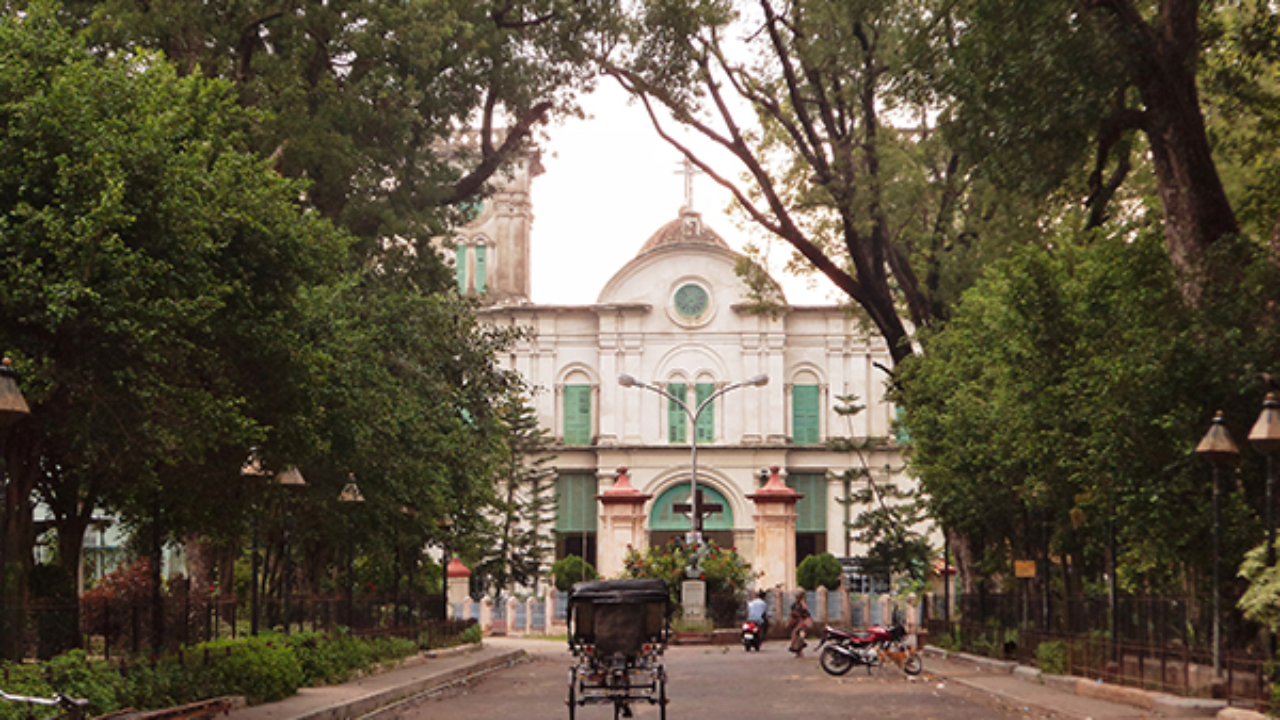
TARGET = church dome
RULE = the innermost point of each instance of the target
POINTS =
(688, 228)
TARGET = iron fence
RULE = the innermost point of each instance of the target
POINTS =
(1155, 643)
(122, 627)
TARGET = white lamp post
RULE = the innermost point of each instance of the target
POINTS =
(695, 520)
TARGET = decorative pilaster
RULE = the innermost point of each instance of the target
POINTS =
(775, 520)
(622, 524)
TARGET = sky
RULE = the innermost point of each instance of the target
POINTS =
(610, 183)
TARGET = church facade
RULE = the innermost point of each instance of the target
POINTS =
(677, 321)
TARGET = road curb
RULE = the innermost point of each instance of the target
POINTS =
(370, 705)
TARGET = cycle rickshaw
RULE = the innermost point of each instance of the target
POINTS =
(618, 631)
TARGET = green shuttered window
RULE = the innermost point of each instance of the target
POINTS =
(460, 268)
(480, 268)
(577, 414)
(804, 415)
(811, 510)
(677, 421)
(706, 429)
(576, 503)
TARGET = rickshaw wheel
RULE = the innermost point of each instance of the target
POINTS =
(662, 696)
(573, 691)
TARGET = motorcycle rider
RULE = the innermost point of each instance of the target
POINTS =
(758, 613)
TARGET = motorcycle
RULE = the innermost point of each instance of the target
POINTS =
(752, 635)
(840, 650)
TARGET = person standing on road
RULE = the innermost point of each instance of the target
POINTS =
(758, 613)
(799, 621)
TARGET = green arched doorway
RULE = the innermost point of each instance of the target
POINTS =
(666, 523)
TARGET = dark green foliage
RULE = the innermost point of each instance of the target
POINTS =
(1073, 387)
(572, 569)
(819, 571)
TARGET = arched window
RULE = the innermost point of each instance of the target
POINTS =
(481, 272)
(460, 267)
(706, 428)
(806, 405)
(577, 400)
(677, 419)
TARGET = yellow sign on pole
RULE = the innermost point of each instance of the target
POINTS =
(1024, 568)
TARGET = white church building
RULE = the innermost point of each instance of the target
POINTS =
(677, 317)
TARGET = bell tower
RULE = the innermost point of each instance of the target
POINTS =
(491, 252)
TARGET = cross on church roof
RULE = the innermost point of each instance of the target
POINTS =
(699, 510)
(688, 169)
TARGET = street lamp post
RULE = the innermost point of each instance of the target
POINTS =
(695, 519)
(13, 407)
(253, 469)
(1219, 449)
(1265, 437)
(289, 478)
(350, 494)
(446, 527)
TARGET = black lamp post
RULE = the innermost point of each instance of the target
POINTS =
(13, 407)
(289, 478)
(1219, 449)
(350, 494)
(1265, 437)
(253, 469)
(446, 525)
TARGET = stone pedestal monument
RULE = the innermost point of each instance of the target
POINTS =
(776, 532)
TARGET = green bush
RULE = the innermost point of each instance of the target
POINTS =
(571, 569)
(472, 635)
(75, 676)
(328, 659)
(262, 668)
(819, 570)
(1051, 657)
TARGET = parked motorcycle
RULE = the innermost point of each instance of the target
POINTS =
(752, 636)
(840, 650)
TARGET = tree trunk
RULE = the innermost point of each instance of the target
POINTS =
(1163, 58)
(21, 449)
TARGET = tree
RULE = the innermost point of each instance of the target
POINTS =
(807, 102)
(525, 511)
(1065, 398)
(396, 114)
(1096, 75)
(152, 269)
(888, 515)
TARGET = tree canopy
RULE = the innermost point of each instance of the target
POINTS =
(176, 307)
(396, 114)
(1067, 395)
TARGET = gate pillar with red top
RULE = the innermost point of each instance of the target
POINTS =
(622, 525)
(775, 520)
(459, 586)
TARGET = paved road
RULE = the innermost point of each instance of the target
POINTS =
(713, 683)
